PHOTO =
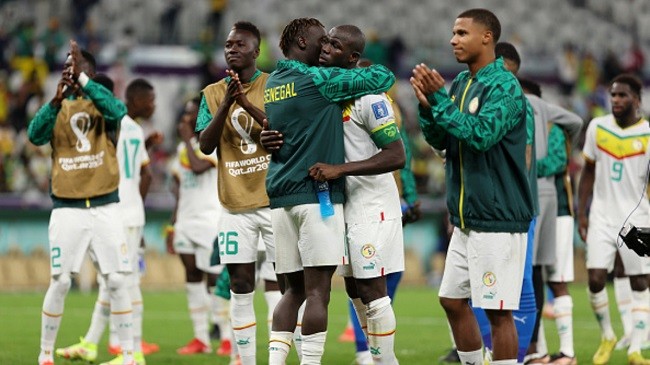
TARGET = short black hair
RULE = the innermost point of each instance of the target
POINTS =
(296, 28)
(508, 52)
(355, 36)
(90, 59)
(530, 87)
(249, 27)
(105, 81)
(486, 18)
(136, 87)
(633, 81)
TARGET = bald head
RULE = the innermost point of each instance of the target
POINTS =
(352, 36)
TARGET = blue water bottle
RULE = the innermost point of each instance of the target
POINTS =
(323, 193)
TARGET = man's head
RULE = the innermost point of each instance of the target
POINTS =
(511, 59)
(140, 99)
(345, 46)
(191, 111)
(530, 87)
(475, 32)
(105, 81)
(302, 40)
(87, 63)
(242, 46)
(625, 93)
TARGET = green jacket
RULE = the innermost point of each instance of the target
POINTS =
(482, 126)
(301, 102)
(555, 164)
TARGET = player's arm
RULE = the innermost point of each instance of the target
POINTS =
(197, 164)
(409, 187)
(338, 84)
(237, 90)
(112, 108)
(556, 157)
(585, 192)
(169, 230)
(435, 135)
(569, 121)
(212, 127)
(146, 177)
(530, 134)
(40, 128)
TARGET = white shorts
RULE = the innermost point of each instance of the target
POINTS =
(266, 271)
(374, 249)
(486, 266)
(188, 235)
(183, 244)
(602, 244)
(73, 231)
(133, 239)
(561, 271)
(239, 235)
(304, 239)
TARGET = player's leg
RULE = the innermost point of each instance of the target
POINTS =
(601, 251)
(454, 297)
(266, 243)
(637, 269)
(623, 295)
(186, 245)
(69, 235)
(322, 248)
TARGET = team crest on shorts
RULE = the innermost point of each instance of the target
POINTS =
(124, 249)
(473, 105)
(368, 251)
(489, 279)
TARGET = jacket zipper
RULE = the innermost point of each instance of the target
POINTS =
(460, 156)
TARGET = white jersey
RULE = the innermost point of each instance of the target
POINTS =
(370, 198)
(621, 157)
(131, 156)
(198, 197)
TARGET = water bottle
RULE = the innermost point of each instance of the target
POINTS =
(323, 193)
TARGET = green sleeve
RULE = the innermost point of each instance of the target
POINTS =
(433, 133)
(112, 108)
(338, 84)
(40, 128)
(204, 117)
(409, 188)
(556, 159)
(530, 124)
(499, 114)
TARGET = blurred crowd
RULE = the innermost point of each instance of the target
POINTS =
(580, 83)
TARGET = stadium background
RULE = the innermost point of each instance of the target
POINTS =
(572, 47)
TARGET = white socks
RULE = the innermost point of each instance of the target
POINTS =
(381, 331)
(272, 298)
(197, 303)
(640, 311)
(542, 347)
(244, 326)
(52, 312)
(472, 357)
(600, 305)
(623, 295)
(297, 333)
(100, 316)
(279, 346)
(361, 310)
(563, 311)
(313, 347)
(138, 308)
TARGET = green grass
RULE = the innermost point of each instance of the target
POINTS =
(422, 334)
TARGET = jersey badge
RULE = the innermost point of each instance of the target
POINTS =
(473, 105)
(380, 109)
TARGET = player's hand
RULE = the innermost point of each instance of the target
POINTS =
(185, 130)
(271, 140)
(412, 214)
(75, 53)
(64, 88)
(169, 243)
(583, 226)
(417, 88)
(323, 172)
(235, 90)
(154, 139)
(430, 80)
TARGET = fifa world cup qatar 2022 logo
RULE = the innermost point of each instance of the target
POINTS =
(81, 124)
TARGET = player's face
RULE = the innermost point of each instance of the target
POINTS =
(336, 51)
(624, 102)
(190, 113)
(241, 49)
(315, 38)
(148, 104)
(468, 39)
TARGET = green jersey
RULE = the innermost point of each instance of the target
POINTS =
(302, 103)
